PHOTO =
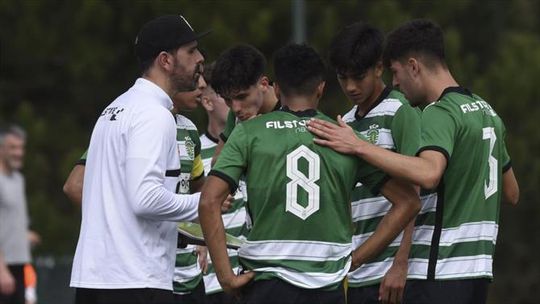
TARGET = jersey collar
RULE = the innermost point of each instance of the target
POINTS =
(148, 86)
(459, 90)
(385, 92)
(305, 113)
(212, 138)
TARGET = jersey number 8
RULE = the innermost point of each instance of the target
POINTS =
(299, 179)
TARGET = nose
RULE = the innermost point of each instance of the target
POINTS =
(395, 82)
(349, 86)
(236, 106)
(202, 83)
(199, 57)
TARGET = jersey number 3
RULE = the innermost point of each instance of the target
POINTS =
(490, 187)
(299, 179)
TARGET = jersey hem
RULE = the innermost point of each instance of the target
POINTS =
(102, 285)
(232, 184)
(435, 148)
(507, 167)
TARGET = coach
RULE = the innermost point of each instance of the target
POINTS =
(126, 247)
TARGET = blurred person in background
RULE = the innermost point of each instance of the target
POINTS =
(14, 238)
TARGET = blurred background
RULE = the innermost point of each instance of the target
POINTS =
(62, 62)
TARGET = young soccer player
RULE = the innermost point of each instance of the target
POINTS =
(386, 119)
(234, 219)
(239, 78)
(462, 155)
(299, 247)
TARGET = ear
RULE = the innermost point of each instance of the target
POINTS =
(277, 91)
(320, 89)
(413, 66)
(379, 69)
(164, 60)
(264, 83)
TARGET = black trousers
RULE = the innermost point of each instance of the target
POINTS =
(17, 271)
(470, 291)
(221, 298)
(196, 296)
(276, 291)
(363, 295)
(123, 296)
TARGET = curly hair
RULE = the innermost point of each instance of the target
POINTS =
(237, 69)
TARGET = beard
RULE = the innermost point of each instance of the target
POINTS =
(184, 81)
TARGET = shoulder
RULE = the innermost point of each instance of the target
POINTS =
(390, 105)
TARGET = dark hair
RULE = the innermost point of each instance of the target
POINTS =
(145, 64)
(207, 74)
(420, 37)
(237, 69)
(356, 48)
(298, 69)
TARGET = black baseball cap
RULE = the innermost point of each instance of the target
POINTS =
(162, 34)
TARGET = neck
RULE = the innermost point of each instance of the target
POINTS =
(269, 101)
(364, 107)
(214, 127)
(299, 103)
(436, 82)
(161, 81)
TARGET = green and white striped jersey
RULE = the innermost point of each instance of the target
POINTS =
(234, 219)
(299, 198)
(392, 124)
(187, 272)
(458, 240)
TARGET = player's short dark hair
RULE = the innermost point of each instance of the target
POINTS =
(419, 37)
(237, 68)
(207, 74)
(298, 69)
(356, 48)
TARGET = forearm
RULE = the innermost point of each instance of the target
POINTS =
(387, 230)
(196, 185)
(402, 255)
(167, 206)
(414, 170)
(219, 147)
(214, 235)
(74, 184)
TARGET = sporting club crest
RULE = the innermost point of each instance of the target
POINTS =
(190, 147)
(373, 133)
